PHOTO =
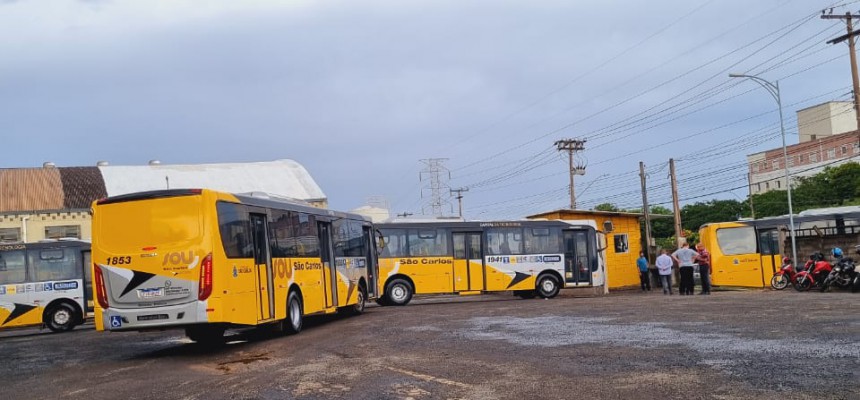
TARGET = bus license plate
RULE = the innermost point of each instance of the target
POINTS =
(150, 293)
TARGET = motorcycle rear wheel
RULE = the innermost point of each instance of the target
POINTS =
(779, 282)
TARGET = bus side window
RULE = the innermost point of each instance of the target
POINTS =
(16, 267)
(53, 264)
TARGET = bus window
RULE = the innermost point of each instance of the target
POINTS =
(543, 240)
(395, 243)
(13, 269)
(235, 230)
(281, 236)
(428, 242)
(504, 241)
(733, 241)
(769, 241)
(307, 240)
(53, 264)
(348, 240)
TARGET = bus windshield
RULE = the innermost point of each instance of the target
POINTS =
(175, 220)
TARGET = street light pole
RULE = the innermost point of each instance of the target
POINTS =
(773, 89)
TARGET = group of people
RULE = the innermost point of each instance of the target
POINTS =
(685, 258)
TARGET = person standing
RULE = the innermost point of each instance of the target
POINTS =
(704, 260)
(664, 267)
(685, 257)
(644, 279)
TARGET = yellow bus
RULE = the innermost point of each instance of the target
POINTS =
(205, 261)
(45, 284)
(748, 253)
(530, 258)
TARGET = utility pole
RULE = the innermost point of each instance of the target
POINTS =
(405, 214)
(459, 197)
(679, 232)
(646, 211)
(850, 37)
(438, 176)
(749, 196)
(576, 165)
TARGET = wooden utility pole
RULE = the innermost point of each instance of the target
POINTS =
(850, 37)
(645, 212)
(572, 146)
(679, 231)
(459, 197)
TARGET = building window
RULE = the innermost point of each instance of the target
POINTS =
(778, 184)
(802, 158)
(831, 154)
(63, 231)
(844, 150)
(758, 187)
(856, 148)
(755, 167)
(812, 137)
(791, 161)
(767, 186)
(10, 235)
(813, 157)
(621, 244)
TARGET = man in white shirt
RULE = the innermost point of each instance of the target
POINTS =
(664, 267)
(685, 256)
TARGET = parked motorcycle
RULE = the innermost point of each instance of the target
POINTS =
(786, 275)
(855, 284)
(815, 272)
(842, 275)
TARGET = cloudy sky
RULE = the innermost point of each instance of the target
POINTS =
(360, 91)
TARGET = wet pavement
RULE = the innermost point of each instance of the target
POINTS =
(731, 345)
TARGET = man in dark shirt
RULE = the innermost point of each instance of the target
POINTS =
(704, 260)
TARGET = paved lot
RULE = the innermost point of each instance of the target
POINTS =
(731, 345)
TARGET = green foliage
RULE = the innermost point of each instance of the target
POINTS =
(833, 187)
(606, 207)
(695, 215)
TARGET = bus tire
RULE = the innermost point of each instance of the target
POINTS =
(547, 286)
(361, 302)
(398, 292)
(61, 317)
(294, 321)
(206, 335)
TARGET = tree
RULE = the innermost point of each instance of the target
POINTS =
(606, 207)
(695, 215)
(662, 227)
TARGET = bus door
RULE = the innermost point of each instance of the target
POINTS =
(770, 255)
(577, 269)
(329, 273)
(468, 262)
(372, 264)
(88, 280)
(263, 266)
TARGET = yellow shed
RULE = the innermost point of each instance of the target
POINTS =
(623, 244)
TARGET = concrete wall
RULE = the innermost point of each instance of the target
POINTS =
(33, 224)
(826, 119)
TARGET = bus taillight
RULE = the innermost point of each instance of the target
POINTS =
(101, 292)
(205, 278)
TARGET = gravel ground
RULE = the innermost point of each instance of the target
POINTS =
(731, 345)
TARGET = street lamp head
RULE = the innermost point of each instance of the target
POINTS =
(735, 75)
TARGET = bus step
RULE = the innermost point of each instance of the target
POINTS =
(470, 293)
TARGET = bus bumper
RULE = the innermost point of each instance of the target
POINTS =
(119, 319)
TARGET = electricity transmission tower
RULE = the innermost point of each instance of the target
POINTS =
(436, 176)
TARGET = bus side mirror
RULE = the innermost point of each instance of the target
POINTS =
(607, 226)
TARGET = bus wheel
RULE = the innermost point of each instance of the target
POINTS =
(61, 318)
(293, 324)
(398, 292)
(206, 335)
(547, 286)
(361, 301)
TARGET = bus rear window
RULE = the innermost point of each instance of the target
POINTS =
(734, 241)
(128, 225)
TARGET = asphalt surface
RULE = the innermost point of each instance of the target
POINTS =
(731, 345)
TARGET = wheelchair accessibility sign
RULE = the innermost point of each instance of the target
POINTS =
(115, 321)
